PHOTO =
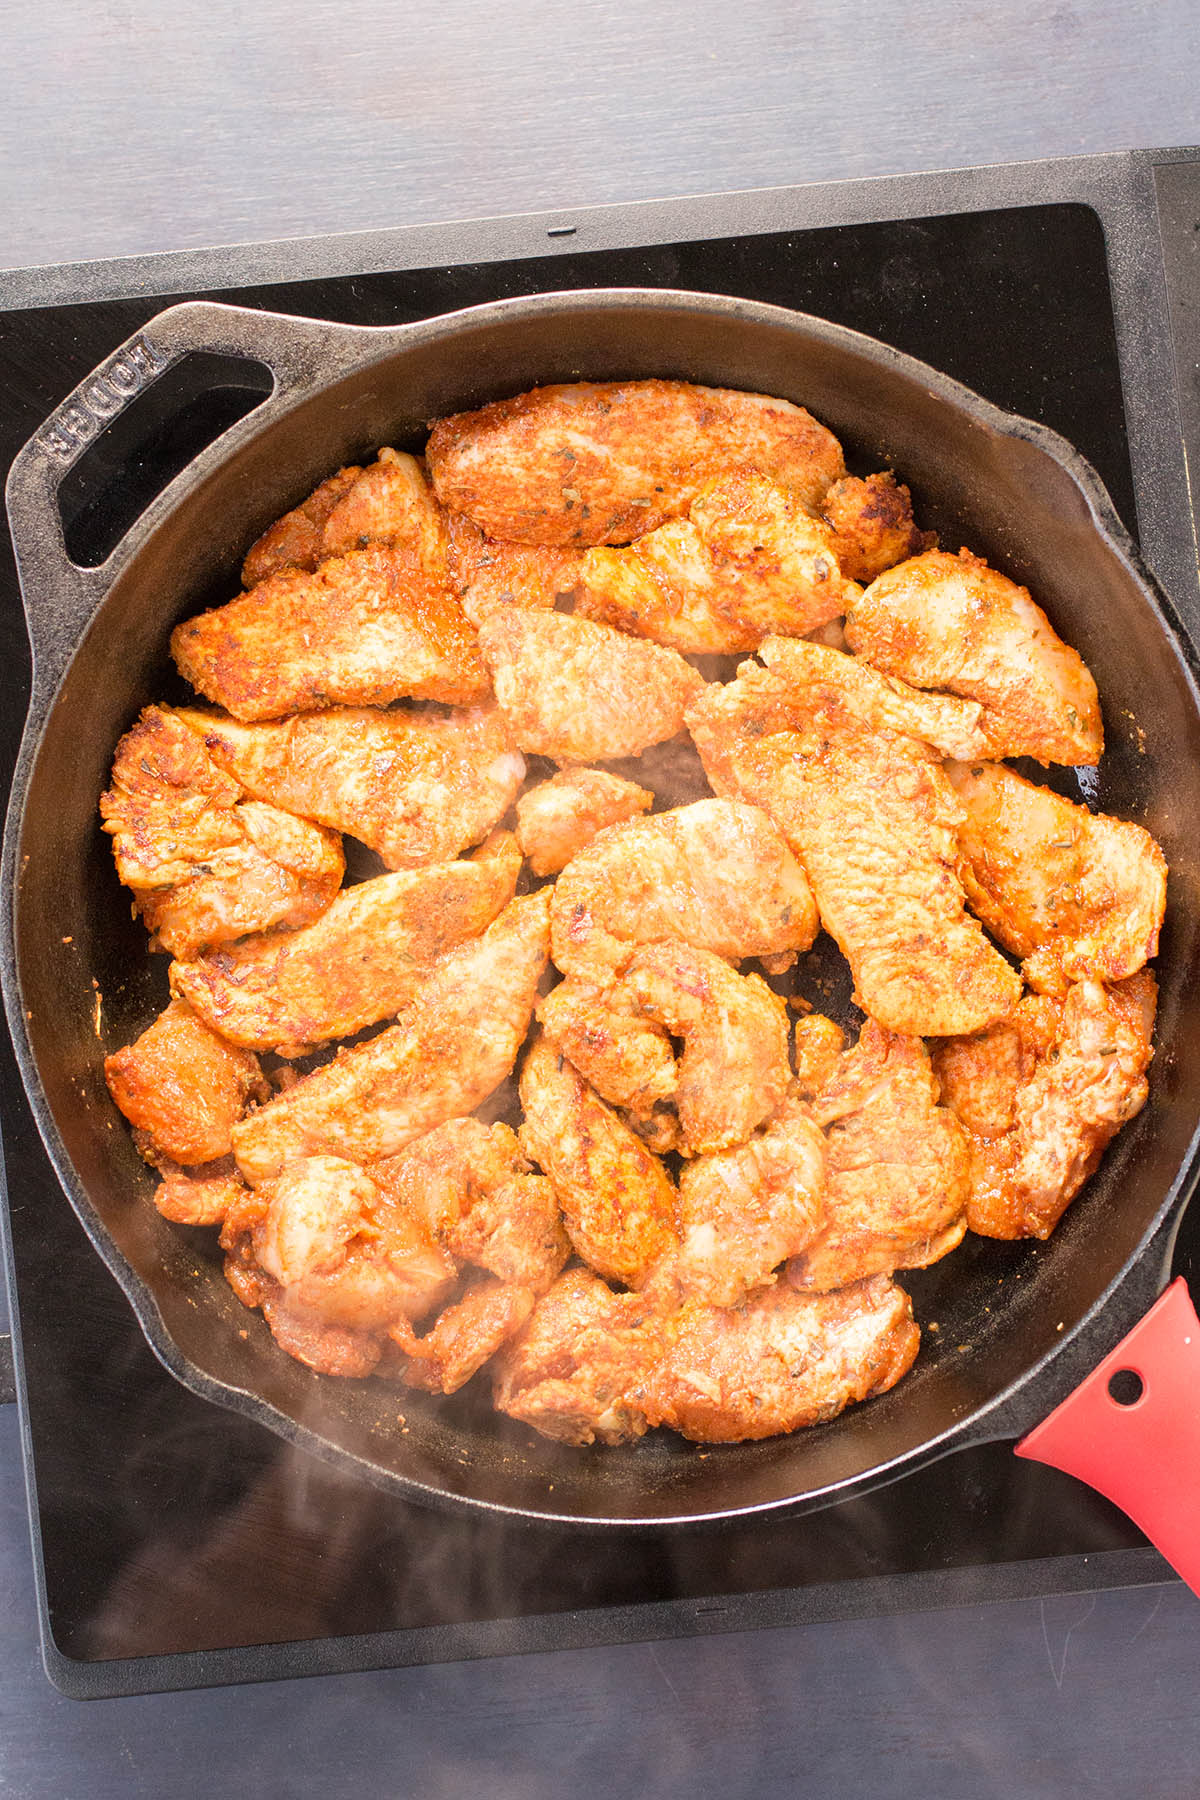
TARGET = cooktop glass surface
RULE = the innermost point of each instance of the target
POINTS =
(169, 1526)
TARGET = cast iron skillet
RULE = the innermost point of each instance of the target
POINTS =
(1018, 1325)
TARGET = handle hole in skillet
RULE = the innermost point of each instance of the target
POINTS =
(1126, 1387)
(147, 445)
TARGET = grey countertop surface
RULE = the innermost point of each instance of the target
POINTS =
(131, 127)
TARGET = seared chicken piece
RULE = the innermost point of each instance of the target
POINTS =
(474, 1192)
(941, 621)
(814, 677)
(581, 692)
(488, 575)
(182, 1088)
(617, 1199)
(749, 560)
(448, 1050)
(391, 502)
(361, 630)
(570, 1371)
(206, 865)
(817, 1045)
(560, 817)
(201, 1195)
(1040, 1096)
(294, 542)
(873, 525)
(781, 1361)
(628, 1059)
(604, 462)
(874, 821)
(744, 1211)
(733, 1071)
(897, 1165)
(717, 874)
(361, 961)
(1076, 894)
(417, 787)
(464, 1335)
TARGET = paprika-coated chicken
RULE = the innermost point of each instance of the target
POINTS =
(1041, 1094)
(950, 622)
(806, 678)
(448, 1050)
(716, 874)
(604, 462)
(897, 1164)
(417, 786)
(205, 863)
(748, 560)
(560, 817)
(872, 521)
(1076, 894)
(361, 961)
(580, 692)
(360, 630)
(182, 1087)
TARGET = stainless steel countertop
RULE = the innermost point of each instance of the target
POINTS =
(132, 127)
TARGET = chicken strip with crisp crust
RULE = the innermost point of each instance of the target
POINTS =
(897, 1165)
(580, 692)
(1076, 894)
(716, 874)
(1041, 1095)
(295, 540)
(417, 786)
(366, 957)
(749, 560)
(560, 817)
(448, 1050)
(950, 622)
(872, 521)
(361, 630)
(781, 1361)
(604, 462)
(182, 1087)
(205, 863)
(809, 678)
(618, 1202)
(627, 1058)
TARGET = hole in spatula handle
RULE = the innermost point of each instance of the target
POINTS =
(1126, 1387)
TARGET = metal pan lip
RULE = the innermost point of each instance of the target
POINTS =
(379, 343)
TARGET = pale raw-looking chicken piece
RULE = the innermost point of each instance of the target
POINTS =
(488, 575)
(628, 1059)
(415, 786)
(744, 1211)
(748, 560)
(1077, 895)
(448, 1050)
(476, 1194)
(201, 1195)
(1041, 1095)
(874, 821)
(733, 1071)
(580, 692)
(897, 1165)
(205, 864)
(815, 677)
(604, 462)
(560, 817)
(617, 1200)
(716, 874)
(182, 1088)
(781, 1361)
(294, 541)
(873, 525)
(361, 961)
(361, 630)
(941, 621)
(570, 1372)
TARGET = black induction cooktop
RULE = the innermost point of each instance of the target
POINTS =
(179, 1544)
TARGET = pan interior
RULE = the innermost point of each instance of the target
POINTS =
(88, 986)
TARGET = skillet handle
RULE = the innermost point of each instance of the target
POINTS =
(1141, 1451)
(59, 595)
